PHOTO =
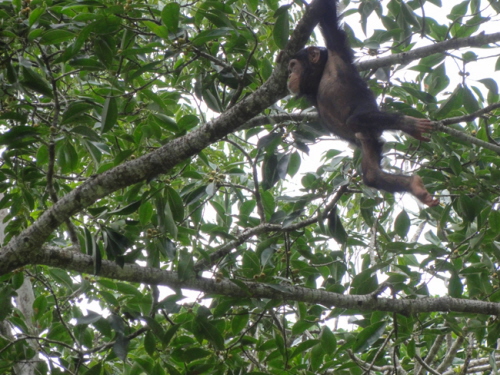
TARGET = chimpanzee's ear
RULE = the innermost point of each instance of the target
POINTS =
(314, 54)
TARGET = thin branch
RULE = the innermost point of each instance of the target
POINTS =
(451, 354)
(265, 228)
(255, 175)
(439, 125)
(426, 366)
(364, 365)
(439, 47)
(382, 347)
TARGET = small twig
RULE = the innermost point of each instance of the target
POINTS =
(426, 366)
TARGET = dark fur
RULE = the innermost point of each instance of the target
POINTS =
(347, 106)
(311, 76)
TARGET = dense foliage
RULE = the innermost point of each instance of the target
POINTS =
(138, 126)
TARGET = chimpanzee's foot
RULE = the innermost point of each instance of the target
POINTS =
(418, 189)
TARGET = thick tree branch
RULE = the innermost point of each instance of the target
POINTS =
(70, 260)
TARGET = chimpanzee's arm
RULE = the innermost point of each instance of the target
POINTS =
(335, 37)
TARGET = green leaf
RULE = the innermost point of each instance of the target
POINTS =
(11, 72)
(170, 334)
(18, 134)
(437, 80)
(455, 287)
(402, 224)
(67, 157)
(35, 15)
(304, 346)
(6, 294)
(17, 280)
(188, 122)
(301, 326)
(128, 289)
(251, 264)
(209, 35)
(410, 348)
(40, 306)
(170, 225)
(86, 132)
(282, 167)
(90, 64)
(336, 228)
(193, 354)
(368, 336)
(120, 347)
(186, 266)
(105, 51)
(34, 81)
(56, 36)
(317, 354)
(170, 16)
(492, 87)
(212, 100)
(239, 322)
(175, 203)
(270, 174)
(494, 220)
(423, 96)
(166, 122)
(90, 318)
(115, 245)
(281, 28)
(74, 112)
(109, 114)
(128, 209)
(327, 340)
(466, 208)
(470, 102)
(156, 327)
(145, 212)
(209, 332)
(150, 343)
(453, 102)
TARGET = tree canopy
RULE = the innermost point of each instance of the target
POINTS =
(168, 208)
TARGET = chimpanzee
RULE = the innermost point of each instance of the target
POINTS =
(328, 78)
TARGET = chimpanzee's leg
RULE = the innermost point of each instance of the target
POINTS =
(374, 176)
(380, 121)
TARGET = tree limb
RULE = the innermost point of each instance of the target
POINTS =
(439, 125)
(82, 263)
(480, 40)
